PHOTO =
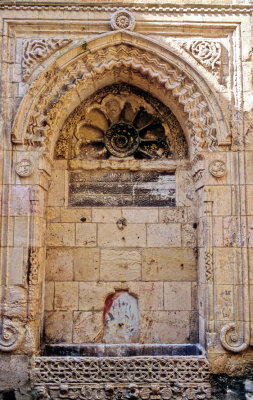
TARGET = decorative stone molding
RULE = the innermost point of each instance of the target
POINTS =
(207, 53)
(37, 50)
(114, 122)
(126, 378)
(209, 265)
(231, 339)
(217, 168)
(24, 168)
(158, 9)
(42, 121)
(122, 19)
(11, 335)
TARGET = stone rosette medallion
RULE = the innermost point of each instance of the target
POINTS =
(217, 168)
(122, 19)
(24, 168)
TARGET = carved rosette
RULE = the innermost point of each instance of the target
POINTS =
(121, 121)
(122, 19)
(207, 53)
(11, 335)
(37, 50)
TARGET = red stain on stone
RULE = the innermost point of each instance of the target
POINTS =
(109, 302)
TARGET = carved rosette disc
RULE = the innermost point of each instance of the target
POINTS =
(122, 140)
(121, 121)
(24, 168)
(122, 19)
(217, 168)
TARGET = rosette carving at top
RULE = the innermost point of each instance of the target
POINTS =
(37, 50)
(122, 19)
(207, 53)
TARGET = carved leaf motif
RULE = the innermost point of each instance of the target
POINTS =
(37, 50)
(207, 53)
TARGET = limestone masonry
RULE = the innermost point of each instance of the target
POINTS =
(126, 196)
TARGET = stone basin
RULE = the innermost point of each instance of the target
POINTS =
(122, 350)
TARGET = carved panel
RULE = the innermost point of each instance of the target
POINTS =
(122, 378)
(207, 53)
(121, 121)
(37, 50)
(118, 188)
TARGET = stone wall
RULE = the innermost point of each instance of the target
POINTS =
(188, 265)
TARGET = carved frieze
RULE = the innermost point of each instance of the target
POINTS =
(43, 120)
(207, 53)
(37, 50)
(122, 378)
(118, 188)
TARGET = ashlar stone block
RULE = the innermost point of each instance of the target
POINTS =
(86, 264)
(87, 326)
(174, 264)
(58, 326)
(177, 296)
(160, 235)
(86, 234)
(120, 265)
(133, 235)
(66, 296)
(61, 234)
(59, 264)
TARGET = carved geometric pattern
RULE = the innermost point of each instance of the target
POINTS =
(206, 53)
(122, 378)
(37, 50)
(42, 120)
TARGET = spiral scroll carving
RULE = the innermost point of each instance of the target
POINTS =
(11, 336)
(230, 339)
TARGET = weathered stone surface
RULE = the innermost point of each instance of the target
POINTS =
(177, 296)
(159, 235)
(133, 235)
(121, 189)
(173, 264)
(86, 234)
(59, 264)
(87, 326)
(61, 234)
(58, 326)
(86, 264)
(120, 265)
(164, 326)
(66, 296)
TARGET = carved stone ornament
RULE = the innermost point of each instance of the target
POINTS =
(207, 53)
(37, 50)
(209, 265)
(140, 378)
(231, 340)
(122, 19)
(11, 335)
(217, 168)
(24, 167)
(121, 121)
